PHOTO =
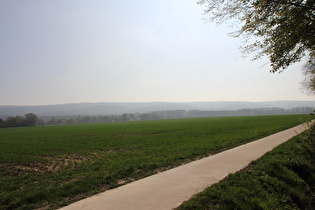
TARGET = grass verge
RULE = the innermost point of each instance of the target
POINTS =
(282, 179)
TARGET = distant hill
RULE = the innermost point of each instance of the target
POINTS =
(142, 107)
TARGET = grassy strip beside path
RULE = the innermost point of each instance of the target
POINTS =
(282, 179)
(51, 166)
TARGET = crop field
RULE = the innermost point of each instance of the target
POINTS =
(51, 166)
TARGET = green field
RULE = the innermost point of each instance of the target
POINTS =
(51, 166)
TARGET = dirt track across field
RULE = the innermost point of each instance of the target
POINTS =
(168, 190)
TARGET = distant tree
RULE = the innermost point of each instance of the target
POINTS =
(86, 119)
(124, 117)
(71, 121)
(11, 122)
(19, 121)
(40, 122)
(132, 117)
(283, 30)
(52, 121)
(31, 119)
(106, 118)
(61, 121)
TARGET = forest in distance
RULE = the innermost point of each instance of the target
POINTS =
(173, 114)
(19, 121)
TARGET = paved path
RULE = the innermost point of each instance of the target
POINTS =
(169, 189)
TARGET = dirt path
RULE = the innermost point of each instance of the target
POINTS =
(169, 189)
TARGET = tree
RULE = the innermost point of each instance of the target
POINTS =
(52, 121)
(31, 119)
(309, 72)
(19, 121)
(284, 30)
(11, 122)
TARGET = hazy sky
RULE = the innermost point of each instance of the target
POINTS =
(57, 51)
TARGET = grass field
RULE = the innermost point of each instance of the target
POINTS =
(50, 166)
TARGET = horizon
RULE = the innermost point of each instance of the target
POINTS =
(143, 102)
(61, 52)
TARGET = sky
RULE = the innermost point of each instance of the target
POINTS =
(56, 52)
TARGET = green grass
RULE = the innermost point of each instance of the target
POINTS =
(51, 166)
(282, 179)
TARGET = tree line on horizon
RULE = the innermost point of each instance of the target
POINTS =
(32, 119)
(29, 119)
(172, 114)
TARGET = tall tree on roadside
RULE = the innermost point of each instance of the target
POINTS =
(283, 30)
(309, 73)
